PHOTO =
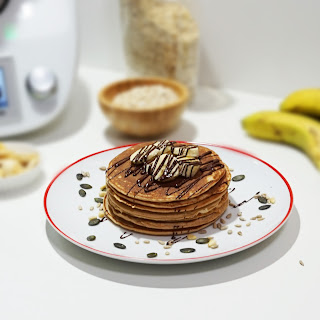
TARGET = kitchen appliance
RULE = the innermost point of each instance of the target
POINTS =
(38, 55)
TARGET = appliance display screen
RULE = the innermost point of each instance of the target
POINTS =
(3, 91)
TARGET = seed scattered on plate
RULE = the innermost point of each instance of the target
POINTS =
(301, 262)
(91, 208)
(231, 169)
(224, 228)
(259, 216)
(161, 242)
(203, 231)
(94, 222)
(260, 219)
(103, 168)
(239, 214)
(92, 217)
(82, 193)
(238, 177)
(202, 240)
(85, 186)
(266, 206)
(167, 253)
(248, 224)
(242, 219)
(214, 225)
(272, 200)
(240, 233)
(262, 199)
(152, 255)
(187, 250)
(103, 188)
(253, 218)
(191, 237)
(119, 245)
(102, 194)
(137, 242)
(98, 205)
(101, 214)
(91, 238)
(229, 215)
(80, 208)
(219, 225)
(79, 176)
(167, 247)
(229, 231)
(146, 241)
(222, 221)
(238, 225)
(212, 243)
(99, 200)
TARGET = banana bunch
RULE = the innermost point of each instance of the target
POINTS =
(292, 124)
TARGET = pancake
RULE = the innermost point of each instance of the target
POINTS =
(166, 188)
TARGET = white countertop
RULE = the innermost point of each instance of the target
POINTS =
(43, 276)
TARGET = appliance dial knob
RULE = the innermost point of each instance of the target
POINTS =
(41, 83)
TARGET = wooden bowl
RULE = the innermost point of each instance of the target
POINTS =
(143, 122)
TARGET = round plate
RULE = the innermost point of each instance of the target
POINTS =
(62, 201)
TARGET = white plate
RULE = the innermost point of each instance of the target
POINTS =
(61, 203)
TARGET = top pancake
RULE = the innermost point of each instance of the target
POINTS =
(193, 187)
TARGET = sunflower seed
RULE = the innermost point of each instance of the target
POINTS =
(98, 205)
(187, 250)
(94, 222)
(242, 219)
(202, 231)
(85, 186)
(229, 231)
(162, 242)
(229, 215)
(253, 218)
(224, 228)
(266, 206)
(167, 247)
(102, 194)
(222, 221)
(238, 177)
(91, 238)
(101, 214)
(191, 237)
(219, 226)
(103, 188)
(119, 245)
(202, 240)
(239, 214)
(238, 225)
(167, 253)
(91, 208)
(248, 224)
(262, 199)
(80, 208)
(301, 262)
(137, 242)
(92, 217)
(82, 193)
(152, 255)
(240, 233)
(272, 200)
(103, 168)
(212, 243)
(214, 225)
(146, 241)
(99, 200)
(260, 219)
(79, 176)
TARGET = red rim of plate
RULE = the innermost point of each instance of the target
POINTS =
(194, 259)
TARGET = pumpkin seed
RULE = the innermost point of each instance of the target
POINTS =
(187, 250)
(152, 255)
(91, 238)
(82, 193)
(238, 177)
(119, 245)
(85, 186)
(94, 222)
(266, 206)
(79, 176)
(262, 199)
(202, 240)
(98, 200)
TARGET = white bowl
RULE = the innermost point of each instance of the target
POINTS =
(25, 178)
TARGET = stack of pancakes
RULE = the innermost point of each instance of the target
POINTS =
(183, 205)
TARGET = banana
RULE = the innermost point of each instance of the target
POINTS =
(188, 166)
(150, 151)
(306, 101)
(186, 151)
(298, 130)
(165, 167)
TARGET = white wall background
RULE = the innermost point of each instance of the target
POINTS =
(267, 46)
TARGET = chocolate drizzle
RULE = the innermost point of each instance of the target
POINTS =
(243, 202)
(125, 235)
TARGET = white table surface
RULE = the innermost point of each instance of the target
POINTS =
(43, 276)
